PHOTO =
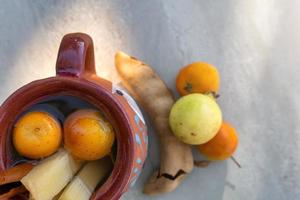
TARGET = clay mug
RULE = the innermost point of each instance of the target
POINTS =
(76, 76)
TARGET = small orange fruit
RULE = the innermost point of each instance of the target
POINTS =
(222, 146)
(88, 135)
(198, 77)
(37, 135)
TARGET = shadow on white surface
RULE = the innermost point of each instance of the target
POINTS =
(254, 44)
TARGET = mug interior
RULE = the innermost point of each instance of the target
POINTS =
(88, 91)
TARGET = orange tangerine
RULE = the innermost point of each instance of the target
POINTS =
(223, 145)
(198, 77)
(88, 135)
(37, 135)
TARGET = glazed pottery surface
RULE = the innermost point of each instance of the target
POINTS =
(76, 76)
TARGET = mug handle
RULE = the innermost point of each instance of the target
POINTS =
(76, 56)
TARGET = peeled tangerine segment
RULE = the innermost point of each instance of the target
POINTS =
(48, 178)
(83, 184)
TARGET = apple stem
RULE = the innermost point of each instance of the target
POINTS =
(216, 95)
(236, 162)
(213, 95)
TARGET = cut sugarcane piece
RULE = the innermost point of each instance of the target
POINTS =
(83, 184)
(54, 198)
(49, 177)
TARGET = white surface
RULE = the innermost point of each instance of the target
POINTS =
(253, 43)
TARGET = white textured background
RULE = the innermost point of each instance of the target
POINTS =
(254, 43)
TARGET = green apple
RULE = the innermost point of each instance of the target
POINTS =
(195, 118)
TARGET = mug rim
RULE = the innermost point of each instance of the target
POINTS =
(91, 92)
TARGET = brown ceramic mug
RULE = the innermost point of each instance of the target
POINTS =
(76, 76)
